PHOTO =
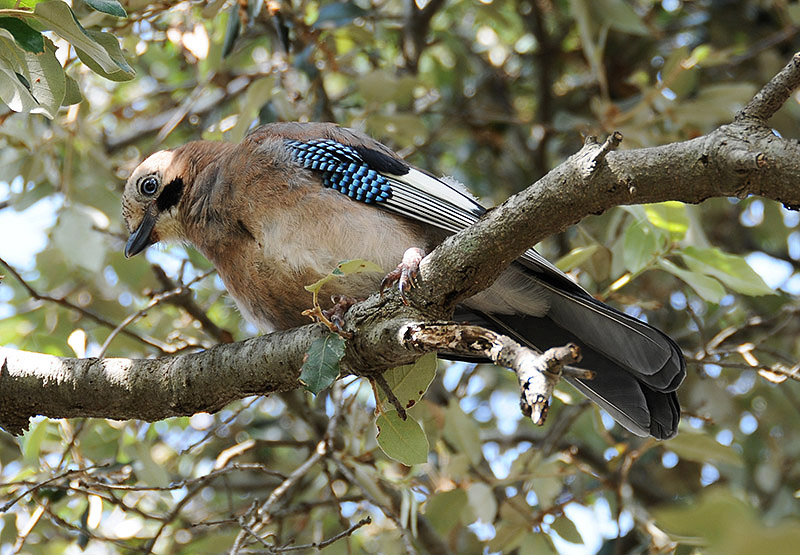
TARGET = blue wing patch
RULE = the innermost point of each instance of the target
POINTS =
(343, 169)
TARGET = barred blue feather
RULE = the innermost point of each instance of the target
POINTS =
(343, 169)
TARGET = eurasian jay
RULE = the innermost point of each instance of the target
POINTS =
(282, 208)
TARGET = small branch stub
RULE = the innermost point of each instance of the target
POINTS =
(537, 373)
(598, 152)
(773, 95)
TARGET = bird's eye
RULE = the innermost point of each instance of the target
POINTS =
(149, 186)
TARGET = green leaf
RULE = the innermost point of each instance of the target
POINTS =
(402, 440)
(322, 365)
(703, 448)
(33, 83)
(712, 105)
(482, 501)
(670, 216)
(514, 532)
(567, 530)
(149, 471)
(677, 77)
(547, 488)
(48, 81)
(337, 14)
(380, 87)
(342, 269)
(730, 269)
(356, 266)
(707, 287)
(58, 17)
(410, 382)
(27, 37)
(461, 432)
(254, 8)
(123, 71)
(18, 4)
(576, 257)
(31, 441)
(8, 535)
(14, 90)
(619, 15)
(536, 543)
(713, 516)
(111, 7)
(75, 237)
(231, 30)
(443, 510)
(640, 246)
(72, 94)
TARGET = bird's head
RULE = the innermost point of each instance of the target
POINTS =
(150, 201)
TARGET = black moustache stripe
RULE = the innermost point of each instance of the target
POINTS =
(170, 196)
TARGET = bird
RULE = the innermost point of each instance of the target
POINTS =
(283, 207)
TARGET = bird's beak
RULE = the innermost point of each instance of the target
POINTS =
(140, 239)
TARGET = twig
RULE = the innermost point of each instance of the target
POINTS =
(253, 534)
(191, 481)
(65, 303)
(599, 154)
(324, 543)
(262, 514)
(187, 303)
(61, 476)
(82, 531)
(384, 385)
(415, 30)
(144, 128)
(351, 478)
(301, 508)
(173, 514)
(155, 300)
(216, 428)
(773, 95)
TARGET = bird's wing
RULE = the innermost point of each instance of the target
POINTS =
(368, 172)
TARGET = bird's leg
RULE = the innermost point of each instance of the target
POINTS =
(406, 273)
(335, 314)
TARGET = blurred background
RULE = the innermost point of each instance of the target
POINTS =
(494, 93)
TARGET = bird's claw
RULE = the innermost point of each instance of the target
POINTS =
(335, 314)
(406, 273)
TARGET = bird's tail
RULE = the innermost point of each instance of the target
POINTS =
(638, 368)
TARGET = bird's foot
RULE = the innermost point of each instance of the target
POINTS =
(333, 317)
(405, 275)
(335, 314)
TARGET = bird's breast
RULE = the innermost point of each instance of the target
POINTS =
(267, 265)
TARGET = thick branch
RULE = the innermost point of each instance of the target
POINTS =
(148, 389)
(738, 160)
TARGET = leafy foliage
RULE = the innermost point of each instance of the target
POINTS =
(494, 93)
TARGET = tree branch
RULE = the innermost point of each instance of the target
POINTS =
(774, 94)
(537, 373)
(148, 389)
(740, 159)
